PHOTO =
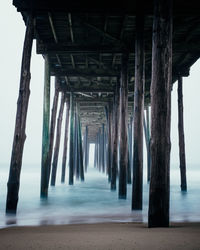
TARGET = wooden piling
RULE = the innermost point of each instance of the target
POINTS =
(57, 143)
(45, 131)
(52, 127)
(181, 136)
(138, 115)
(109, 148)
(64, 158)
(123, 161)
(76, 146)
(20, 123)
(129, 156)
(115, 138)
(71, 142)
(148, 149)
(158, 215)
(86, 148)
(80, 150)
(103, 146)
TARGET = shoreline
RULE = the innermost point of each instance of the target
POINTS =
(127, 235)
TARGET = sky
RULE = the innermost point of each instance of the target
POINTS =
(11, 43)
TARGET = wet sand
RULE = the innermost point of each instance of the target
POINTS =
(105, 236)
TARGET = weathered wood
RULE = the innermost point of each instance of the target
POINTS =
(71, 142)
(64, 158)
(86, 148)
(148, 149)
(20, 123)
(129, 156)
(109, 148)
(45, 131)
(95, 154)
(52, 127)
(103, 146)
(181, 136)
(147, 141)
(80, 150)
(158, 215)
(123, 161)
(138, 115)
(76, 146)
(100, 150)
(115, 138)
(57, 143)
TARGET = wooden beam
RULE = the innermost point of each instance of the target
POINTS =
(52, 127)
(57, 142)
(123, 162)
(84, 73)
(181, 136)
(137, 187)
(115, 137)
(76, 48)
(80, 150)
(64, 158)
(20, 123)
(71, 142)
(45, 132)
(158, 215)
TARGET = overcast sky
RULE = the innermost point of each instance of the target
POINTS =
(11, 43)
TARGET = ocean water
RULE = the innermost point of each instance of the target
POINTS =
(92, 201)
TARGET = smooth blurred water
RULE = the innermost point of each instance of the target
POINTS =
(92, 201)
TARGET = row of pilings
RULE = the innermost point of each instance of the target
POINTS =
(119, 147)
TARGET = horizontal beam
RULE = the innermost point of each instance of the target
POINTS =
(63, 48)
(85, 72)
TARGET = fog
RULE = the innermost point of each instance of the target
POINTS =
(11, 44)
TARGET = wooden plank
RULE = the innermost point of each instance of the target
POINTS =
(123, 160)
(20, 123)
(158, 215)
(57, 143)
(181, 136)
(64, 158)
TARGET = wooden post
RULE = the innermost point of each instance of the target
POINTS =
(109, 148)
(123, 161)
(181, 136)
(158, 215)
(71, 142)
(103, 152)
(45, 132)
(115, 138)
(148, 149)
(20, 123)
(64, 158)
(138, 115)
(147, 141)
(86, 148)
(76, 146)
(80, 150)
(129, 156)
(95, 154)
(57, 143)
(100, 152)
(52, 127)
